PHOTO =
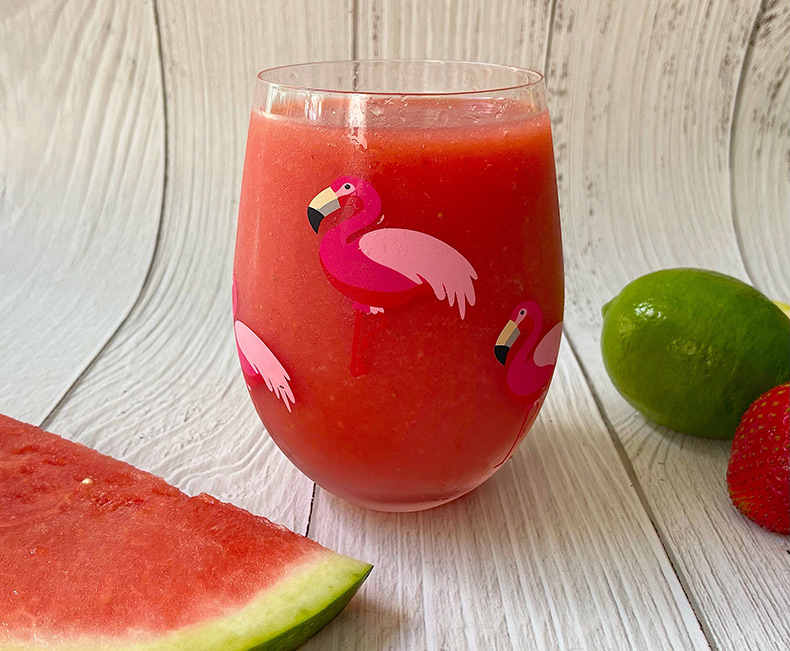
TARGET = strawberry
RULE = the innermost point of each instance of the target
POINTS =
(758, 474)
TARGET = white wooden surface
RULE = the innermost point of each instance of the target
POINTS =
(122, 130)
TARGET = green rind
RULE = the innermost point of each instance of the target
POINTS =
(279, 618)
(297, 635)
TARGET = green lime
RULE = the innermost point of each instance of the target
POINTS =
(692, 349)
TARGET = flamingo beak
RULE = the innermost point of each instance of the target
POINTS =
(505, 340)
(323, 204)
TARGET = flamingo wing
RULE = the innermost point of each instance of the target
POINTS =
(423, 259)
(549, 347)
(262, 361)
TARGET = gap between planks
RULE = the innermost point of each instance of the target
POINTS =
(149, 272)
(736, 108)
(552, 14)
(640, 493)
(310, 512)
(354, 28)
(618, 445)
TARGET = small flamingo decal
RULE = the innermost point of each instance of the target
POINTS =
(529, 362)
(258, 362)
(386, 267)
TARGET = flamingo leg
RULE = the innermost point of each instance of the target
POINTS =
(361, 341)
(358, 367)
(381, 325)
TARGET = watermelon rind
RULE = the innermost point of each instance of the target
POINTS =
(279, 618)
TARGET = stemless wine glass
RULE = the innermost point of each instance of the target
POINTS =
(398, 282)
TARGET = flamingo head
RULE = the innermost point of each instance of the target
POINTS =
(511, 330)
(335, 197)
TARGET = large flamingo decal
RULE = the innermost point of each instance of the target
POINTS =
(258, 362)
(385, 267)
(529, 364)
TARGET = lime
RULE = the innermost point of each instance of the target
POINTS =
(692, 349)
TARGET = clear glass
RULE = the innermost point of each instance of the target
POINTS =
(398, 281)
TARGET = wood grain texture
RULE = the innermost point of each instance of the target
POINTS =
(81, 169)
(735, 573)
(554, 552)
(760, 163)
(168, 394)
(512, 32)
(642, 115)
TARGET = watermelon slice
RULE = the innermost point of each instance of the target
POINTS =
(96, 554)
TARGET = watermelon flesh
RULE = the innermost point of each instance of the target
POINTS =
(96, 554)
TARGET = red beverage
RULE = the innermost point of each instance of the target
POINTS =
(398, 287)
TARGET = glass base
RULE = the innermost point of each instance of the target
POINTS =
(403, 506)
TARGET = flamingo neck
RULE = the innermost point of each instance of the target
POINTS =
(525, 350)
(371, 208)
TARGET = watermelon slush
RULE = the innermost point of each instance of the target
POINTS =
(431, 415)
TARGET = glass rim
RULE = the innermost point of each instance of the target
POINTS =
(531, 78)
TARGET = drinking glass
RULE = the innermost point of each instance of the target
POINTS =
(398, 280)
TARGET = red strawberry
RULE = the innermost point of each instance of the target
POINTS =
(758, 475)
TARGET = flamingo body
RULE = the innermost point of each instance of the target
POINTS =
(363, 280)
(385, 267)
(528, 375)
(529, 360)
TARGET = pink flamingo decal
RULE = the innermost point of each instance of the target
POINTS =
(385, 267)
(530, 365)
(258, 362)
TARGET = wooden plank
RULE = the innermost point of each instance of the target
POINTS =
(643, 115)
(510, 32)
(735, 573)
(554, 552)
(82, 166)
(641, 129)
(760, 162)
(168, 394)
